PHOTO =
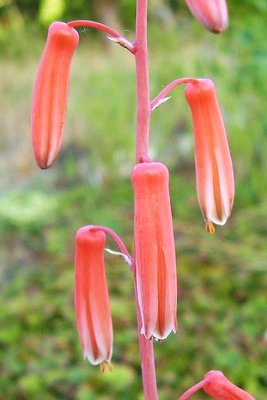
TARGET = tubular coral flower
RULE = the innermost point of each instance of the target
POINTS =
(214, 170)
(220, 388)
(51, 92)
(213, 14)
(155, 250)
(92, 307)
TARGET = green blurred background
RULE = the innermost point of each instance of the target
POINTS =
(222, 278)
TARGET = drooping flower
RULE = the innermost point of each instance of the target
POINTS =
(216, 385)
(92, 306)
(220, 388)
(155, 250)
(51, 92)
(214, 169)
(212, 14)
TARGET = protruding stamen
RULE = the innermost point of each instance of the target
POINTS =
(104, 366)
(210, 228)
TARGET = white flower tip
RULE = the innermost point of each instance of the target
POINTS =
(156, 335)
(100, 360)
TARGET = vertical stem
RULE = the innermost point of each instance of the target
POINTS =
(147, 359)
(142, 138)
(142, 82)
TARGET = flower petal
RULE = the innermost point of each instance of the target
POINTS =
(212, 14)
(92, 306)
(155, 250)
(214, 169)
(51, 92)
(220, 388)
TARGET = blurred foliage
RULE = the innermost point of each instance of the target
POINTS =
(223, 280)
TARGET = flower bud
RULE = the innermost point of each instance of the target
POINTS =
(51, 92)
(214, 170)
(92, 306)
(220, 388)
(212, 14)
(154, 250)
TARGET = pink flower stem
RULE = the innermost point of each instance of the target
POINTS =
(162, 95)
(192, 390)
(113, 35)
(147, 358)
(142, 141)
(116, 239)
(142, 82)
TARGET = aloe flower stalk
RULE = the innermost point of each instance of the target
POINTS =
(220, 388)
(212, 14)
(92, 306)
(51, 92)
(155, 250)
(214, 170)
(153, 264)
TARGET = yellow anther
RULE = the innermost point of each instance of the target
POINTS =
(104, 365)
(210, 228)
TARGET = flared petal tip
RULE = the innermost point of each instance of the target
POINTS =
(211, 220)
(100, 360)
(158, 334)
(210, 228)
(161, 336)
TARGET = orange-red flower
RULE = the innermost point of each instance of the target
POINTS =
(213, 14)
(155, 250)
(216, 385)
(214, 170)
(220, 388)
(51, 91)
(92, 306)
